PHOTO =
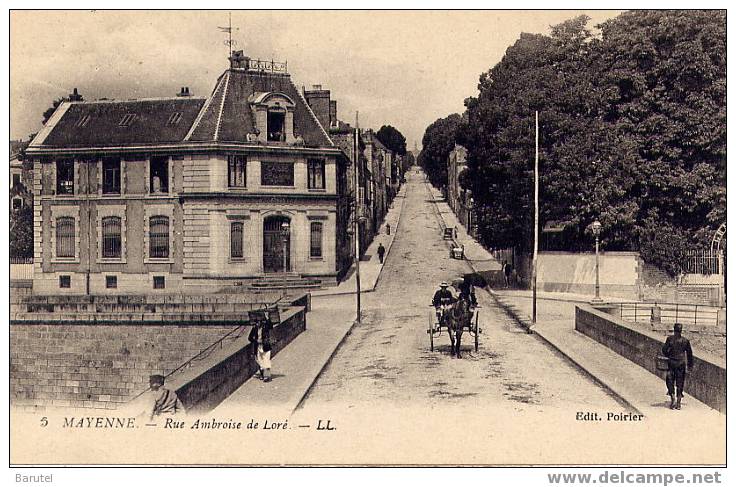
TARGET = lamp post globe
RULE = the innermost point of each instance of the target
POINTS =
(596, 227)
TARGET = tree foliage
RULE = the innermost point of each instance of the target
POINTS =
(437, 143)
(632, 133)
(21, 232)
(54, 105)
(392, 139)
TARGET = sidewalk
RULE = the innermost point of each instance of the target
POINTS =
(370, 270)
(478, 257)
(636, 386)
(633, 385)
(296, 367)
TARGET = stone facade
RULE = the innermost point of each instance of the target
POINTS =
(183, 194)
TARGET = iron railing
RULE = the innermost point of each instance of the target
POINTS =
(233, 334)
(669, 313)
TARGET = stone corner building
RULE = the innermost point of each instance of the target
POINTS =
(187, 194)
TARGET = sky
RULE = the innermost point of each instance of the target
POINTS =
(400, 68)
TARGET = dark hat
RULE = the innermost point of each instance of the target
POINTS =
(678, 327)
(156, 379)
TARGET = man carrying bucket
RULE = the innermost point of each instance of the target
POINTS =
(679, 353)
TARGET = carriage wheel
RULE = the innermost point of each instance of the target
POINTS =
(431, 333)
(476, 331)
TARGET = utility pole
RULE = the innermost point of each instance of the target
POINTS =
(536, 217)
(88, 165)
(356, 228)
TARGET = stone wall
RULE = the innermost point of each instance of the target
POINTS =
(706, 381)
(96, 366)
(205, 385)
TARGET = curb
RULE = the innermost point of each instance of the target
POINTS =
(388, 251)
(324, 366)
(525, 323)
(396, 229)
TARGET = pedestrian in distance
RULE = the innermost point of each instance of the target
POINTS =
(260, 337)
(679, 353)
(162, 401)
(507, 273)
(381, 252)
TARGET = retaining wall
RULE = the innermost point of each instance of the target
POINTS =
(706, 381)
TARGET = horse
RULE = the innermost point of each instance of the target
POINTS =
(461, 314)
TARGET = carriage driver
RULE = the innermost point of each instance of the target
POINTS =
(467, 291)
(442, 296)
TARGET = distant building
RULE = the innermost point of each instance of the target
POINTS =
(188, 193)
(459, 199)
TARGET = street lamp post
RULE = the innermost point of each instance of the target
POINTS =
(597, 232)
(285, 240)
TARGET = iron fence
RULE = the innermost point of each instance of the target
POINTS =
(669, 313)
(705, 262)
(21, 269)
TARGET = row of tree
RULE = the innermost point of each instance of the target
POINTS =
(632, 133)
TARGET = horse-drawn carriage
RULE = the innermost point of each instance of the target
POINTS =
(455, 317)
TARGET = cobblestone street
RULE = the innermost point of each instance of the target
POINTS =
(387, 357)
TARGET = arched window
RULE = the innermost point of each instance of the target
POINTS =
(315, 240)
(158, 239)
(112, 241)
(236, 240)
(65, 237)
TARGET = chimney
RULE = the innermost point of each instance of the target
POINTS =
(238, 60)
(319, 101)
(333, 112)
(75, 96)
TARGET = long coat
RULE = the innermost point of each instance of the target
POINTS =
(265, 335)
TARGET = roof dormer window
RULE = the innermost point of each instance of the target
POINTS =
(174, 118)
(276, 125)
(126, 120)
(83, 120)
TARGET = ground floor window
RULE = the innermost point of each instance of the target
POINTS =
(111, 282)
(315, 240)
(236, 240)
(65, 237)
(112, 240)
(158, 238)
(65, 282)
(159, 282)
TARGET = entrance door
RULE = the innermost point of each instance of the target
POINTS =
(273, 244)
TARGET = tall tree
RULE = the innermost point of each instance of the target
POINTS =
(437, 143)
(632, 132)
(392, 139)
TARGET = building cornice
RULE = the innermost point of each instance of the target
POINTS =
(182, 148)
(262, 196)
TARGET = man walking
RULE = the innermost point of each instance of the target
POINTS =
(506, 273)
(381, 252)
(677, 349)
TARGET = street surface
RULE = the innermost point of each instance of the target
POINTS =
(387, 358)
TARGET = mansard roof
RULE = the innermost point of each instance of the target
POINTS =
(224, 116)
(229, 118)
(110, 123)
